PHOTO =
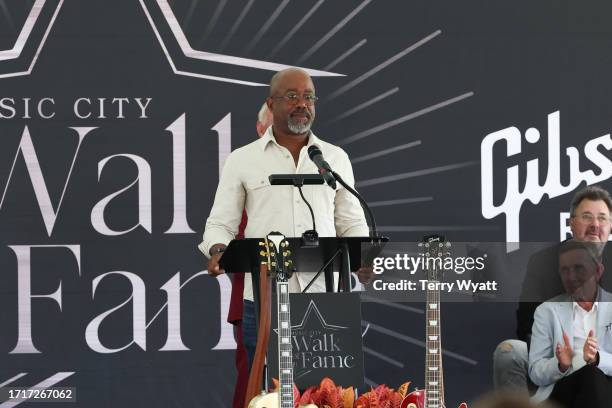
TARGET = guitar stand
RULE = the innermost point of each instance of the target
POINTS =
(344, 279)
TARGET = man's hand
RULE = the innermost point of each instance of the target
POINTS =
(365, 274)
(564, 354)
(213, 263)
(590, 349)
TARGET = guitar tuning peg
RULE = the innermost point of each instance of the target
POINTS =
(261, 243)
(262, 253)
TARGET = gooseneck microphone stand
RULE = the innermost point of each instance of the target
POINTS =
(364, 204)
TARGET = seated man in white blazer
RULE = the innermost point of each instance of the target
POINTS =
(570, 358)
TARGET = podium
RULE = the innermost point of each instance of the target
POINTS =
(245, 255)
(242, 255)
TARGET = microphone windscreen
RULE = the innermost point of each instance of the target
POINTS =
(313, 151)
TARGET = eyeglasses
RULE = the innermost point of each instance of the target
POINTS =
(589, 218)
(293, 98)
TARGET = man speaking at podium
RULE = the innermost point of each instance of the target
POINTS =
(244, 184)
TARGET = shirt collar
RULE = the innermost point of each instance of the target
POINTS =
(268, 137)
(576, 307)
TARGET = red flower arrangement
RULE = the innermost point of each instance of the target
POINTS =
(383, 397)
(328, 395)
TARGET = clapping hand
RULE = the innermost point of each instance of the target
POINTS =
(564, 353)
(590, 348)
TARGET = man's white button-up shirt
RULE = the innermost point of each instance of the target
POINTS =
(244, 185)
(582, 324)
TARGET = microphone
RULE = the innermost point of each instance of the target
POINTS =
(325, 170)
(330, 178)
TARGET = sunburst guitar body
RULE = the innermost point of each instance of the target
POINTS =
(270, 400)
(416, 399)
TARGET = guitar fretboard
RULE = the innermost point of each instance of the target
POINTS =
(434, 381)
(434, 394)
(285, 356)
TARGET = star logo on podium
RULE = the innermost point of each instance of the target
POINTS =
(313, 312)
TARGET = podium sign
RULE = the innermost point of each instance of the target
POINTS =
(326, 339)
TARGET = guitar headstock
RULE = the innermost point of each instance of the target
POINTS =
(276, 254)
(435, 250)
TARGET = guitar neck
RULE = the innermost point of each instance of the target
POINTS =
(434, 384)
(285, 356)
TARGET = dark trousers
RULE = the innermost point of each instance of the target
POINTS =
(249, 330)
(587, 387)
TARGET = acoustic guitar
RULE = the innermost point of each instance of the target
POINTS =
(275, 252)
(432, 396)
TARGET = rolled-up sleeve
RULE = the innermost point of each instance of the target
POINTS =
(226, 213)
(349, 217)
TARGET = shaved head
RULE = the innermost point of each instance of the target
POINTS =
(280, 76)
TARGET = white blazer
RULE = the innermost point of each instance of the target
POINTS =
(550, 320)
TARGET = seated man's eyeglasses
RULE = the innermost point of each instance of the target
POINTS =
(589, 218)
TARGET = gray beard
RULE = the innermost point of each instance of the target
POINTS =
(298, 128)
